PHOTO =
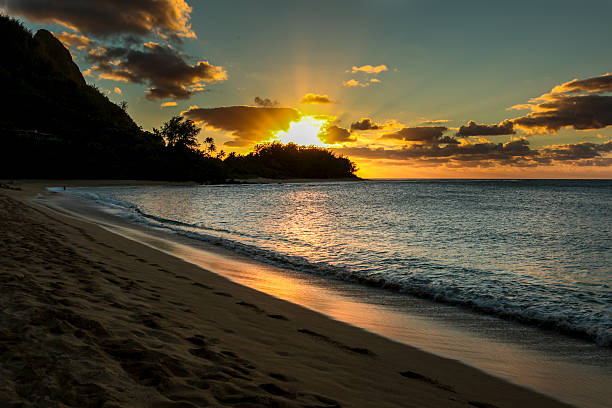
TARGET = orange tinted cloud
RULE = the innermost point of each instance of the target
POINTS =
(598, 84)
(353, 83)
(474, 129)
(369, 69)
(422, 134)
(73, 40)
(486, 154)
(312, 98)
(248, 124)
(162, 68)
(122, 76)
(578, 104)
(334, 134)
(169, 18)
(168, 104)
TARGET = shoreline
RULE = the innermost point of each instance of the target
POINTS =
(358, 367)
(573, 370)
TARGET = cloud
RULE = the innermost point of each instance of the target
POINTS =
(167, 104)
(578, 151)
(434, 122)
(162, 68)
(580, 112)
(248, 124)
(88, 71)
(352, 83)
(375, 80)
(73, 40)
(118, 90)
(170, 18)
(598, 84)
(365, 124)
(578, 104)
(474, 129)
(265, 103)
(515, 153)
(369, 69)
(507, 153)
(315, 99)
(422, 134)
(334, 134)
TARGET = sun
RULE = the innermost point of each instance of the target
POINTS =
(305, 132)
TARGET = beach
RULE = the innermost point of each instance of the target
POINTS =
(90, 318)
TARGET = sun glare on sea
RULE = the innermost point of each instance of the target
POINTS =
(305, 132)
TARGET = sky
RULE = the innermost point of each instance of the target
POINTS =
(406, 89)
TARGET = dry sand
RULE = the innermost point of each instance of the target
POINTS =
(92, 319)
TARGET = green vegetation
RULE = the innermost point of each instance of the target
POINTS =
(54, 125)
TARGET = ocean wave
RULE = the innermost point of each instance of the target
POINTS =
(573, 323)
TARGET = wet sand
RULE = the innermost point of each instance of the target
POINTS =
(90, 318)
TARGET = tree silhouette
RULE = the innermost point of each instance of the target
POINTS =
(179, 132)
(211, 147)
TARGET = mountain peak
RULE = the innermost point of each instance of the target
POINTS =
(58, 56)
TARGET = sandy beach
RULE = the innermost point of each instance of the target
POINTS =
(92, 319)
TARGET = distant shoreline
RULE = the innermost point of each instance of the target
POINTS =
(127, 183)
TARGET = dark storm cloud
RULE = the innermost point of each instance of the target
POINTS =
(474, 129)
(335, 134)
(578, 104)
(248, 124)
(265, 103)
(365, 124)
(110, 17)
(424, 134)
(514, 153)
(162, 68)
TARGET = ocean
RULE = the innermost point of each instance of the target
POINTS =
(532, 251)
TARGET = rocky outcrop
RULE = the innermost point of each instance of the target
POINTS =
(58, 56)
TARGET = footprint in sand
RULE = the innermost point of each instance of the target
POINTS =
(481, 404)
(416, 376)
(250, 306)
(282, 377)
(318, 336)
(276, 390)
(278, 317)
(201, 285)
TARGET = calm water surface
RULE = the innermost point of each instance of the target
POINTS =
(535, 251)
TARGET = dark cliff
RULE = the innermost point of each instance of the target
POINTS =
(52, 124)
(58, 57)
